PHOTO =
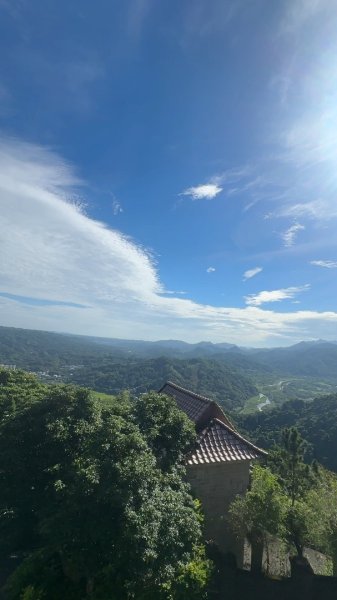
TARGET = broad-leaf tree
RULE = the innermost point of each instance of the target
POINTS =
(168, 430)
(259, 512)
(90, 501)
(296, 478)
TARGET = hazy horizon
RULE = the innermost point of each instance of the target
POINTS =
(242, 345)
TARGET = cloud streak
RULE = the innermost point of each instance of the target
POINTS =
(275, 295)
(289, 236)
(326, 264)
(54, 254)
(116, 207)
(251, 273)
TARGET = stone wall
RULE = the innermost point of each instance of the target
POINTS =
(216, 485)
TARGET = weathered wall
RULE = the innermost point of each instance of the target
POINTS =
(216, 485)
(276, 557)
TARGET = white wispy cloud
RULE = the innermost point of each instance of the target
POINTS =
(299, 179)
(98, 281)
(116, 207)
(317, 210)
(327, 264)
(299, 12)
(46, 238)
(203, 20)
(251, 273)
(289, 236)
(242, 180)
(275, 295)
(203, 191)
(210, 270)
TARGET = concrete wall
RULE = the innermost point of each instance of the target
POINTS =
(216, 485)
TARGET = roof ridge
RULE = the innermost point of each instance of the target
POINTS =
(179, 387)
(238, 435)
(204, 399)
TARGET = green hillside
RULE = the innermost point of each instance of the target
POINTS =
(316, 420)
(210, 378)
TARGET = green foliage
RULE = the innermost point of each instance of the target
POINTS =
(31, 593)
(259, 512)
(286, 499)
(212, 378)
(322, 499)
(193, 577)
(288, 462)
(18, 390)
(90, 499)
(262, 508)
(296, 479)
(301, 525)
(167, 430)
(315, 420)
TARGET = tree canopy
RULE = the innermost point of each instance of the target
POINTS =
(286, 499)
(94, 503)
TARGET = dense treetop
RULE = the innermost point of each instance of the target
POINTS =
(316, 420)
(93, 498)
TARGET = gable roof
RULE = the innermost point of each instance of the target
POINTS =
(198, 408)
(218, 443)
(218, 439)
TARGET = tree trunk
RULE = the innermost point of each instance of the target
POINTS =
(299, 548)
(334, 565)
(257, 554)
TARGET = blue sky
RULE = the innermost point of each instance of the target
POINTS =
(168, 169)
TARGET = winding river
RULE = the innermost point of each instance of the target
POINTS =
(265, 402)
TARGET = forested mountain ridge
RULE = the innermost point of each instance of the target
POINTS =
(316, 420)
(211, 378)
(100, 366)
(36, 347)
(23, 347)
(226, 373)
(308, 359)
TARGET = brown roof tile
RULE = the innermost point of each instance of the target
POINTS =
(218, 440)
(219, 443)
(198, 408)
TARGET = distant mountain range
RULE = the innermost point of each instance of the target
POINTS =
(233, 376)
(40, 350)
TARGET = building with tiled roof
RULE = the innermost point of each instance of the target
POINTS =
(198, 408)
(218, 466)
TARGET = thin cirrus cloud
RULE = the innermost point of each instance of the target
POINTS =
(289, 236)
(326, 264)
(299, 12)
(82, 277)
(317, 210)
(275, 295)
(206, 191)
(299, 180)
(251, 273)
(116, 207)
